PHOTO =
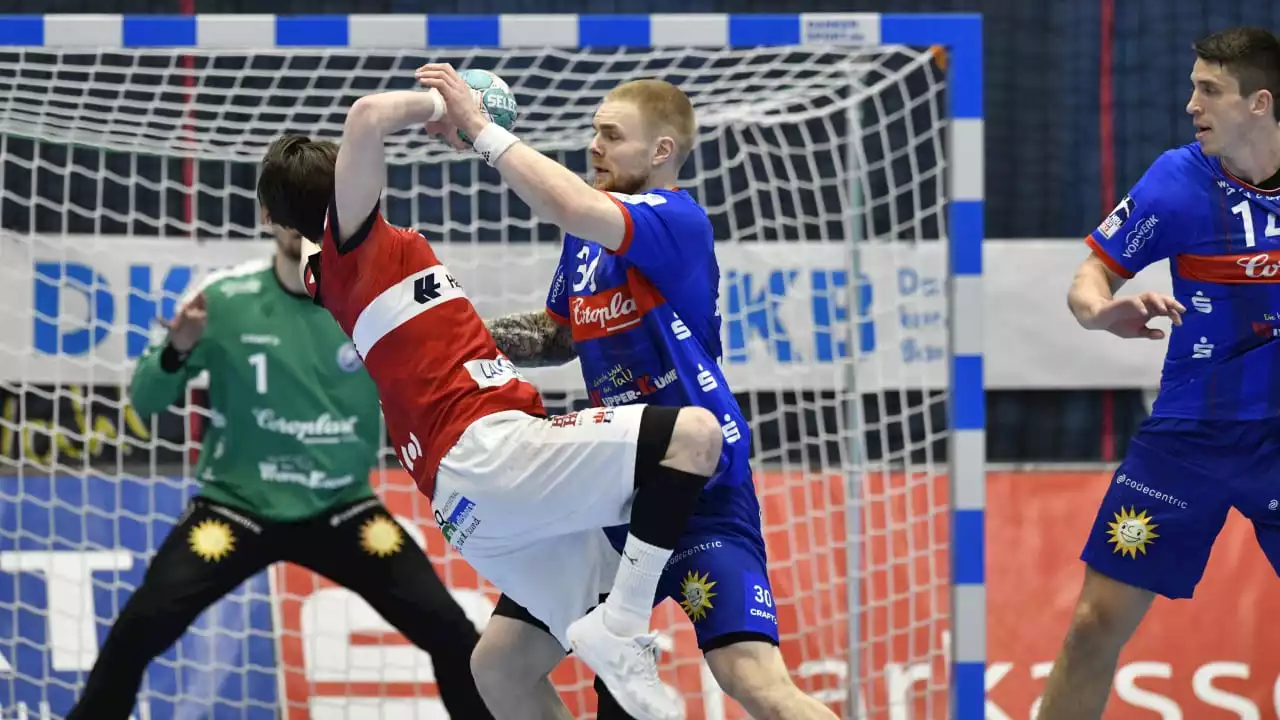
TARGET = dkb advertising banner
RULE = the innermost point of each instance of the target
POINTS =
(795, 316)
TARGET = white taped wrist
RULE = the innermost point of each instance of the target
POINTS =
(492, 141)
(438, 110)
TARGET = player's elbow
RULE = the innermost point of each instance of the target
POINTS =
(144, 400)
(367, 115)
(1093, 286)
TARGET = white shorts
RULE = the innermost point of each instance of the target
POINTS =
(523, 500)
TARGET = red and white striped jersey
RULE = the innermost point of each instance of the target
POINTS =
(436, 367)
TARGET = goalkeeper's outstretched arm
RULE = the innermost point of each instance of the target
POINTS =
(164, 370)
(162, 373)
(361, 168)
(160, 376)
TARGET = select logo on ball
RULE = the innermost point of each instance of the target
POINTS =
(494, 97)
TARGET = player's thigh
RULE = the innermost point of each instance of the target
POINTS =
(352, 544)
(1162, 511)
(556, 579)
(722, 583)
(513, 478)
(209, 553)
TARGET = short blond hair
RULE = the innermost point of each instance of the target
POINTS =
(665, 105)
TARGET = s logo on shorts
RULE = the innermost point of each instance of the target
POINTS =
(1132, 532)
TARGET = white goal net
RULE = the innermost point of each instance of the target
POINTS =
(127, 175)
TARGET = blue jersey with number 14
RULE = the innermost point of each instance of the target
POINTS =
(1222, 239)
(646, 326)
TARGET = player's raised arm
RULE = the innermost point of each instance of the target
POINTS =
(164, 370)
(552, 191)
(361, 166)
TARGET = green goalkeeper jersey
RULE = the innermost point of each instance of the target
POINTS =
(295, 422)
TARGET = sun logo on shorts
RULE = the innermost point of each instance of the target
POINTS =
(1132, 532)
(212, 540)
(697, 595)
(381, 536)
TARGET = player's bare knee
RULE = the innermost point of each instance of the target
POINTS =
(1106, 614)
(1093, 630)
(487, 669)
(511, 658)
(498, 667)
(695, 442)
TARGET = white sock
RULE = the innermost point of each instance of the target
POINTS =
(630, 604)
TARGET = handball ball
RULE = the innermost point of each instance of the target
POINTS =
(493, 96)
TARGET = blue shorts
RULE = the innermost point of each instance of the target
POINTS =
(1169, 499)
(718, 574)
(722, 584)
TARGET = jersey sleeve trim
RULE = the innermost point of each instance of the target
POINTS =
(630, 226)
(557, 317)
(311, 279)
(1106, 258)
(361, 233)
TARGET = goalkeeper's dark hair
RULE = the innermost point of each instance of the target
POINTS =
(1251, 55)
(295, 184)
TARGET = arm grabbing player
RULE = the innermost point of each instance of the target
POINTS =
(1210, 442)
(533, 339)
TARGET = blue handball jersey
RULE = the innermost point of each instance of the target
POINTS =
(1222, 239)
(646, 325)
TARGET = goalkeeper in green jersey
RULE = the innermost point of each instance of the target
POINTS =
(284, 471)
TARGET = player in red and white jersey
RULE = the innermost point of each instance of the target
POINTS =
(521, 496)
(436, 366)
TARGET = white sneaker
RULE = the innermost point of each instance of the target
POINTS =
(628, 666)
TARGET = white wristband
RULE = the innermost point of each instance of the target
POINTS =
(492, 141)
(438, 111)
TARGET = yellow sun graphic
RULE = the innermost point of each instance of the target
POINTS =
(381, 536)
(697, 595)
(1132, 532)
(212, 540)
